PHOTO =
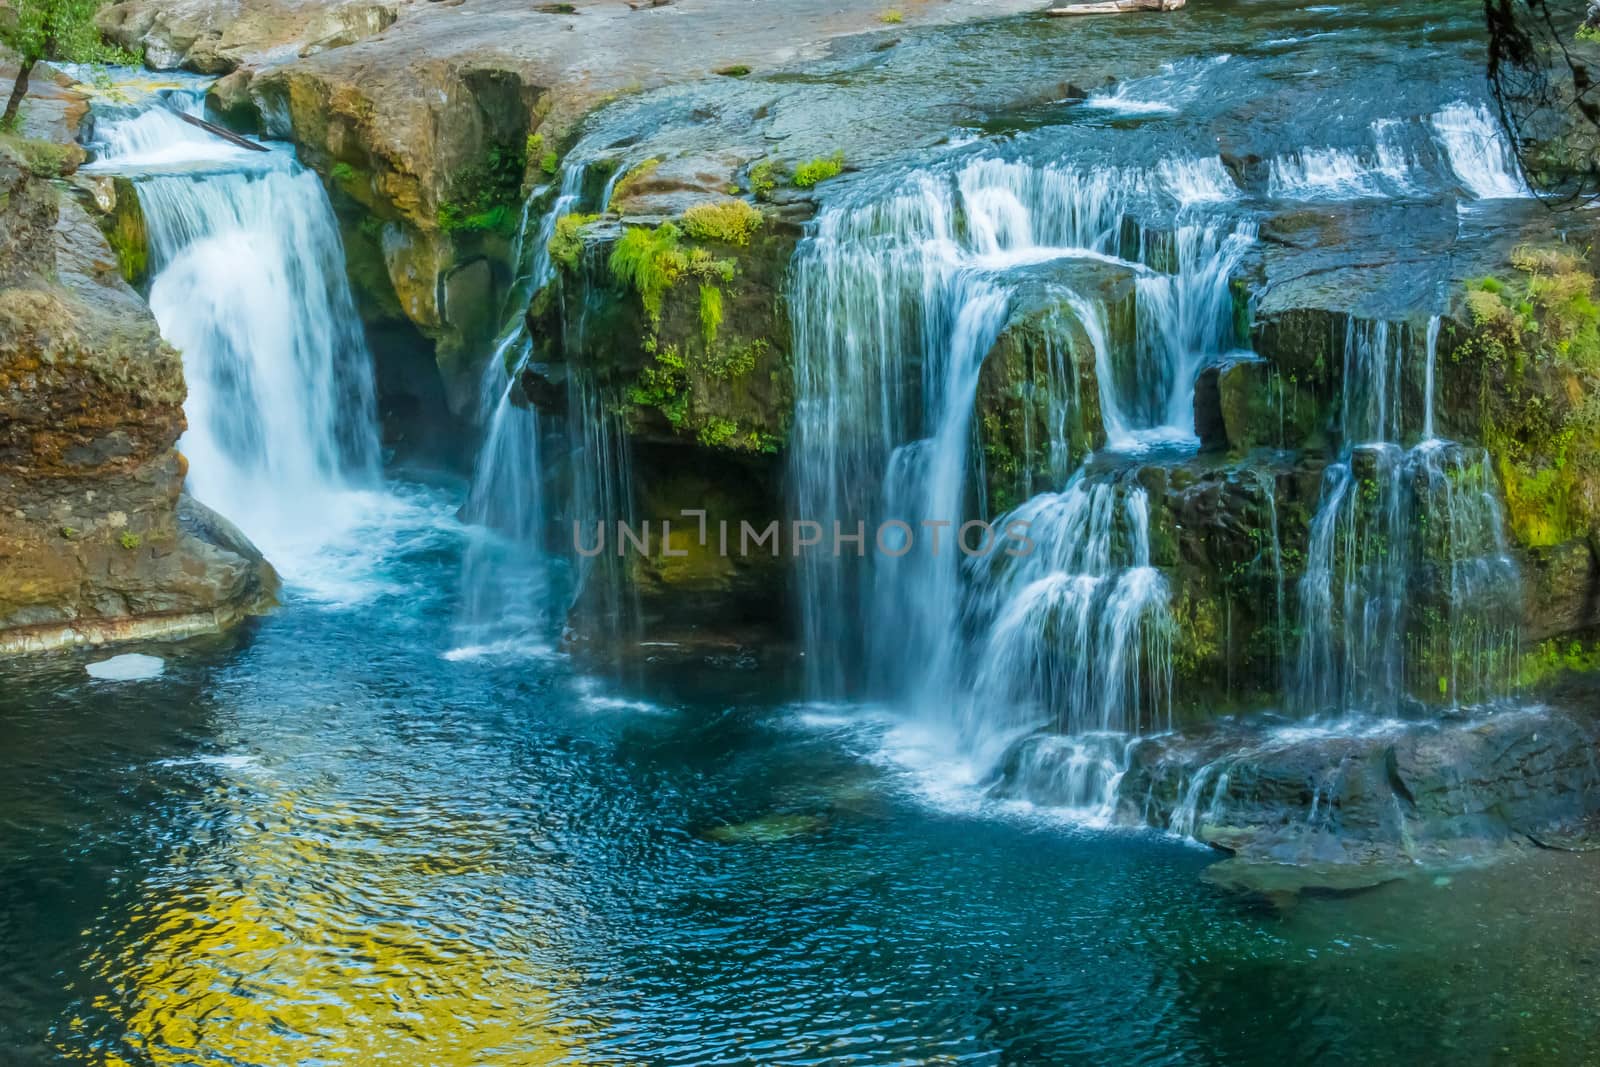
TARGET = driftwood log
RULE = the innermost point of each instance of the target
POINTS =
(1116, 7)
(226, 135)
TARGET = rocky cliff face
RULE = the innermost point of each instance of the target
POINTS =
(97, 542)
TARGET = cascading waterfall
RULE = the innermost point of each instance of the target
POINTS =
(896, 303)
(512, 595)
(249, 284)
(1409, 587)
(506, 599)
(1478, 153)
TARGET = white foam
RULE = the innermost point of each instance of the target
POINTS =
(128, 667)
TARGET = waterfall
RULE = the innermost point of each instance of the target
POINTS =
(897, 300)
(1409, 588)
(249, 284)
(1478, 153)
(506, 596)
(515, 580)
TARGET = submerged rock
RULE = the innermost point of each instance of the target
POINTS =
(1344, 805)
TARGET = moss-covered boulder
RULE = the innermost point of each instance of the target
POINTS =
(1038, 401)
(683, 321)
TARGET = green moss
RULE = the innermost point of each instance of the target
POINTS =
(1553, 659)
(737, 70)
(892, 17)
(69, 532)
(130, 541)
(817, 170)
(46, 159)
(629, 183)
(1536, 338)
(566, 243)
(729, 221)
(764, 179)
(710, 313)
(485, 196)
(649, 261)
(343, 173)
(128, 238)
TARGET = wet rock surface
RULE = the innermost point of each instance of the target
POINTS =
(1336, 806)
(95, 545)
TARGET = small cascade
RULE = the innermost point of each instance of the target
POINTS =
(249, 284)
(1076, 634)
(506, 596)
(535, 478)
(1478, 152)
(1409, 589)
(897, 301)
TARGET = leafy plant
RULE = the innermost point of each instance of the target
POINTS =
(649, 261)
(52, 29)
(710, 313)
(130, 541)
(764, 179)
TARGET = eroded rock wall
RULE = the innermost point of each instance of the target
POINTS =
(96, 542)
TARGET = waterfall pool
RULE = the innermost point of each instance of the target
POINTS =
(327, 840)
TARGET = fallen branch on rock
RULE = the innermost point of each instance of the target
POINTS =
(1116, 7)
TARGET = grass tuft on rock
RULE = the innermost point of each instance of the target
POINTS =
(732, 222)
(817, 170)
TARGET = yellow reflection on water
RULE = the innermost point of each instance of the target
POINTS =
(330, 936)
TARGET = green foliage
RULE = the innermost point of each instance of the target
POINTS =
(649, 261)
(1537, 336)
(818, 170)
(729, 221)
(566, 243)
(737, 70)
(130, 541)
(708, 268)
(484, 196)
(57, 29)
(343, 172)
(726, 364)
(764, 179)
(69, 532)
(664, 385)
(549, 162)
(892, 17)
(717, 431)
(1553, 659)
(710, 313)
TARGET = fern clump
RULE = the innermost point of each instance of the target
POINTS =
(649, 261)
(710, 312)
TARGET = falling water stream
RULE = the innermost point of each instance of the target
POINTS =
(248, 282)
(373, 828)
